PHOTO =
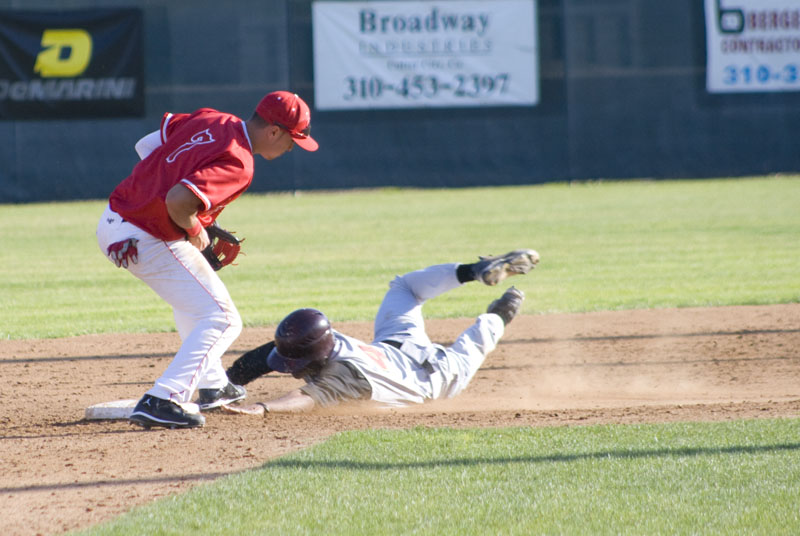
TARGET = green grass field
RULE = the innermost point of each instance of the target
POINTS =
(609, 245)
(604, 245)
(725, 478)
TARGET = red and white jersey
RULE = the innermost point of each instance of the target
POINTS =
(207, 151)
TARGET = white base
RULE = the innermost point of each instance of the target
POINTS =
(118, 409)
(190, 407)
(122, 409)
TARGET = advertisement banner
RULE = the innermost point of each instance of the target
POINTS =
(71, 64)
(752, 45)
(452, 53)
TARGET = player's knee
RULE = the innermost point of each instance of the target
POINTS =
(227, 322)
(399, 282)
(235, 325)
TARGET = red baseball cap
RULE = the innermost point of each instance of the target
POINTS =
(291, 113)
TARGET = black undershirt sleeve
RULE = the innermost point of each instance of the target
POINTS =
(250, 365)
(338, 381)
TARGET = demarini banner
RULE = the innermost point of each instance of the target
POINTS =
(71, 64)
(452, 53)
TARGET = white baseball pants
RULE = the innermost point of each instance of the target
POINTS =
(205, 316)
(400, 319)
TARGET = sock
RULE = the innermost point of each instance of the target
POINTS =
(464, 273)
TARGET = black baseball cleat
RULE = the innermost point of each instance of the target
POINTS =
(152, 411)
(492, 270)
(214, 398)
(508, 305)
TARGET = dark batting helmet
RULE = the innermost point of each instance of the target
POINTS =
(303, 338)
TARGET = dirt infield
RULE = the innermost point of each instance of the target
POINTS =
(59, 472)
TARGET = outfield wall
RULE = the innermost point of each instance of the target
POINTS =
(622, 95)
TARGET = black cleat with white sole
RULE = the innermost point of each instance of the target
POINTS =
(152, 411)
(214, 398)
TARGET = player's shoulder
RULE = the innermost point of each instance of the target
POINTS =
(341, 371)
(343, 337)
(219, 125)
(208, 112)
(206, 116)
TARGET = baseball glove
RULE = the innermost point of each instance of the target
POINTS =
(223, 249)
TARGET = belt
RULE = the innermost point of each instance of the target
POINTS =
(426, 365)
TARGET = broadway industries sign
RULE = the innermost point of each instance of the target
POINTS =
(396, 54)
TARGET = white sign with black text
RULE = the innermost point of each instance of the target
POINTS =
(752, 45)
(450, 53)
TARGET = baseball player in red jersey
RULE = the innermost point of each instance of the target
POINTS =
(154, 226)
